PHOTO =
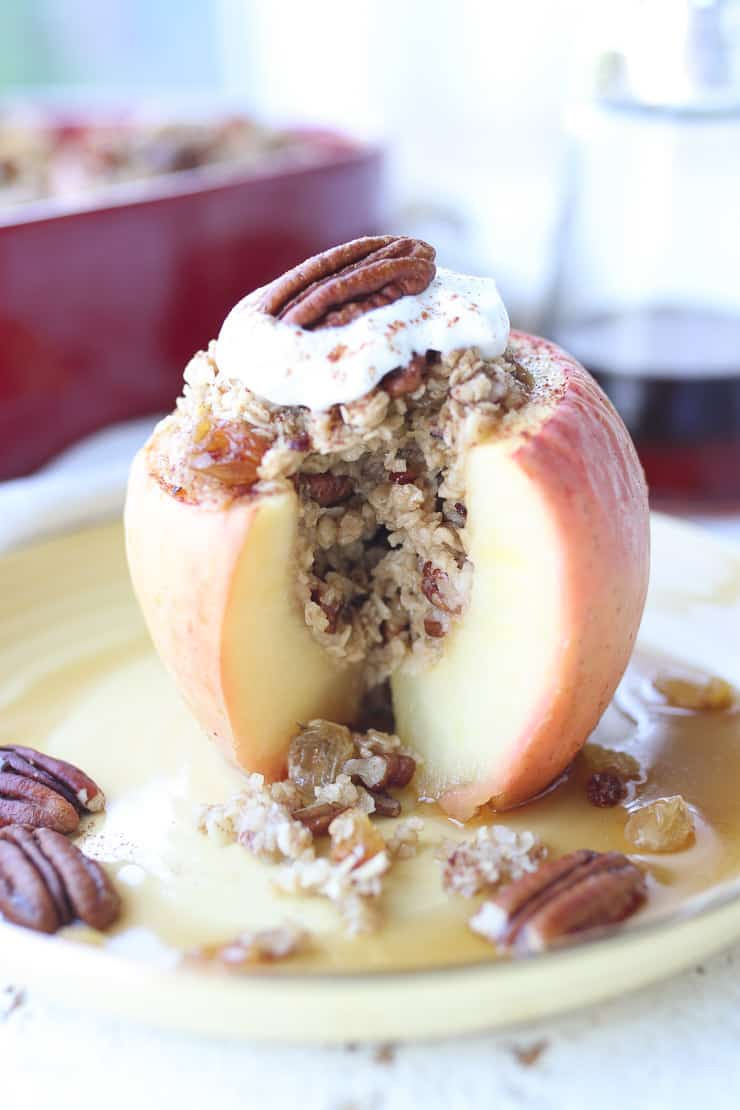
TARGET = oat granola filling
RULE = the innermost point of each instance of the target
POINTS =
(383, 571)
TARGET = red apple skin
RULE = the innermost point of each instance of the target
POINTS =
(168, 540)
(184, 560)
(584, 462)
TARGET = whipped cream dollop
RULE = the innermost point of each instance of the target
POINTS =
(290, 365)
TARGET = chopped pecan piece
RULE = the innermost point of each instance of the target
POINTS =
(318, 817)
(561, 899)
(252, 947)
(434, 628)
(353, 834)
(372, 771)
(328, 489)
(381, 769)
(434, 583)
(402, 769)
(385, 805)
(330, 609)
(335, 287)
(46, 882)
(406, 379)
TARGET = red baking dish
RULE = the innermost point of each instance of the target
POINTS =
(102, 305)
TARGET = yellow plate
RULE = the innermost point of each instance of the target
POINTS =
(78, 678)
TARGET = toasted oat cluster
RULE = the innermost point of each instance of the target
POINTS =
(382, 565)
(282, 822)
(495, 854)
(254, 947)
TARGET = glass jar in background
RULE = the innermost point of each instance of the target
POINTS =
(646, 289)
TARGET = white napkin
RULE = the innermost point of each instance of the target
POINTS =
(84, 484)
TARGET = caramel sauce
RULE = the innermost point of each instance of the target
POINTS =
(114, 713)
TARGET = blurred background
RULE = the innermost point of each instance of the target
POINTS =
(158, 160)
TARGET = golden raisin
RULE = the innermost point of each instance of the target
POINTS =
(230, 451)
(318, 754)
(666, 825)
(712, 695)
(609, 759)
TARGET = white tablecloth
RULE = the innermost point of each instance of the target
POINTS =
(671, 1046)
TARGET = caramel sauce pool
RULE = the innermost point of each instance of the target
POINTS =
(107, 705)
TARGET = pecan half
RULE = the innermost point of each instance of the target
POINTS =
(46, 882)
(61, 777)
(571, 895)
(338, 285)
(24, 801)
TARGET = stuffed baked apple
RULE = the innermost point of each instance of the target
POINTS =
(369, 478)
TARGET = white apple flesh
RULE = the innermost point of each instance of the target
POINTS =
(558, 535)
(218, 593)
(557, 531)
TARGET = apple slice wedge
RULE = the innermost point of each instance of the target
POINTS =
(217, 590)
(557, 531)
(558, 534)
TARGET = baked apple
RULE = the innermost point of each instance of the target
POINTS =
(369, 479)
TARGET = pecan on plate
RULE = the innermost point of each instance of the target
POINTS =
(335, 287)
(46, 882)
(39, 790)
(565, 897)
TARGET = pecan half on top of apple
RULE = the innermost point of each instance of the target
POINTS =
(471, 525)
